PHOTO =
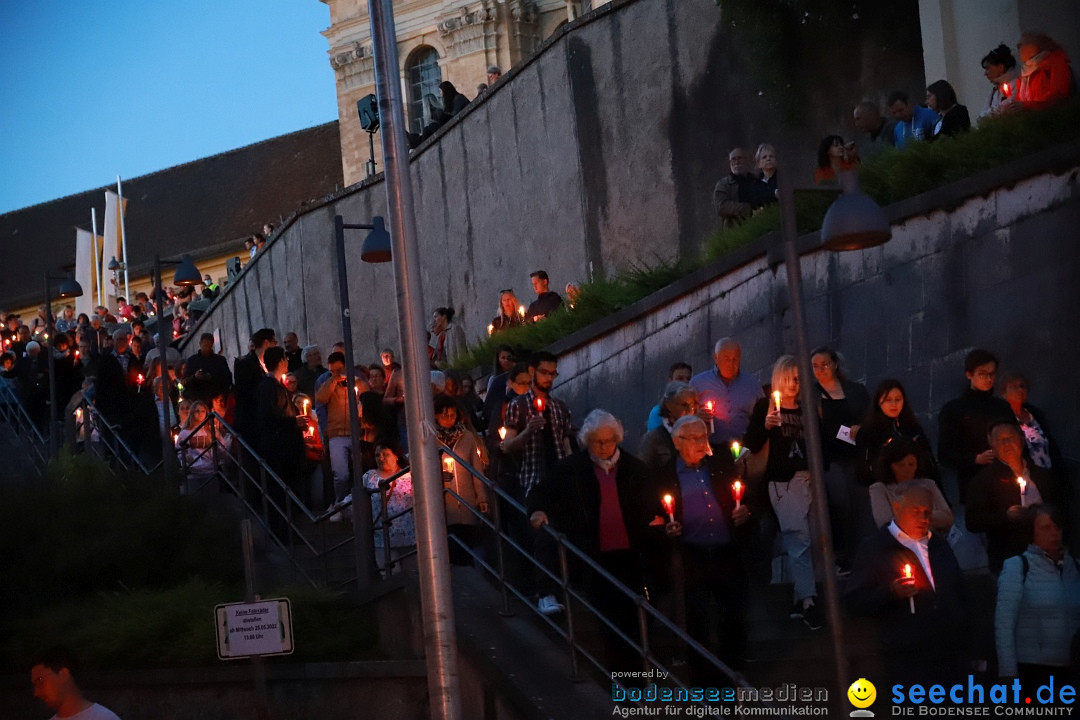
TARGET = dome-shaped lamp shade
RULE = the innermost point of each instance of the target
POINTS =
(187, 273)
(69, 288)
(376, 248)
(854, 221)
(113, 265)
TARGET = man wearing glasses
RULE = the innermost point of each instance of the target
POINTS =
(964, 422)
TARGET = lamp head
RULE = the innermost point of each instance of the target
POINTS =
(69, 288)
(376, 248)
(854, 221)
(113, 265)
(187, 273)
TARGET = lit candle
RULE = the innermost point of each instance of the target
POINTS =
(139, 379)
(78, 416)
(491, 329)
(502, 433)
(311, 431)
(709, 407)
(448, 464)
(1023, 490)
(176, 438)
(540, 404)
(521, 310)
(669, 507)
(76, 354)
(306, 405)
(908, 577)
(776, 399)
(736, 450)
(737, 490)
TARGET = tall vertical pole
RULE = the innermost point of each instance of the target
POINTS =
(123, 239)
(808, 401)
(363, 538)
(49, 340)
(168, 454)
(440, 636)
(96, 255)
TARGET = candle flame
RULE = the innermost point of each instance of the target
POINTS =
(491, 329)
(1023, 484)
(907, 570)
(521, 310)
(448, 464)
(776, 399)
(502, 433)
(540, 404)
(709, 405)
(736, 449)
(669, 504)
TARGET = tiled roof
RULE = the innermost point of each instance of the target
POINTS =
(207, 204)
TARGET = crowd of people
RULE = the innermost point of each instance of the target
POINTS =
(720, 479)
(1040, 77)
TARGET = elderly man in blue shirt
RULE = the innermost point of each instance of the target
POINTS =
(710, 532)
(732, 394)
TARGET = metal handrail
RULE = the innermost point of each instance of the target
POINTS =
(13, 412)
(645, 609)
(93, 419)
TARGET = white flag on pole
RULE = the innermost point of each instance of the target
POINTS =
(85, 270)
(113, 246)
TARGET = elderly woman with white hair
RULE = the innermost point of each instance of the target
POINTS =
(595, 497)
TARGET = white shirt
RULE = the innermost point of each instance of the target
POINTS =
(921, 548)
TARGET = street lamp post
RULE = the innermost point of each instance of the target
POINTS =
(186, 274)
(376, 245)
(68, 289)
(440, 635)
(853, 222)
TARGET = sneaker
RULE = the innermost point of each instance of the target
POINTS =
(812, 616)
(796, 610)
(548, 605)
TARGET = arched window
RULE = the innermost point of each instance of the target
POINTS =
(423, 75)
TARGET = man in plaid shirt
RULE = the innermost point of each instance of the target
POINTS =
(538, 435)
(538, 428)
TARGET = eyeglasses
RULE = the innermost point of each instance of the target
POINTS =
(547, 373)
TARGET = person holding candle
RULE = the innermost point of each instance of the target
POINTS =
(280, 442)
(1038, 607)
(248, 372)
(1000, 69)
(787, 482)
(538, 430)
(508, 316)
(964, 422)
(929, 644)
(596, 497)
(470, 491)
(731, 392)
(332, 394)
(714, 538)
(195, 445)
(398, 496)
(546, 302)
(996, 500)
(1046, 76)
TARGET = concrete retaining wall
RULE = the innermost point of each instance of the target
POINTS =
(997, 268)
(599, 152)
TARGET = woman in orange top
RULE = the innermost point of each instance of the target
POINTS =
(1045, 75)
(834, 157)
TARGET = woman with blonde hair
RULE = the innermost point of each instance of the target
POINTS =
(508, 316)
(776, 428)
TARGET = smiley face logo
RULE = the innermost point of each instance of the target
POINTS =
(862, 694)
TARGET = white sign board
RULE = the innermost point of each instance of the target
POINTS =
(257, 628)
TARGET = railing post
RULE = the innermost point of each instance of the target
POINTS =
(564, 568)
(500, 557)
(643, 629)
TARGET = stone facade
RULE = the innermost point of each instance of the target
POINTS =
(467, 36)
